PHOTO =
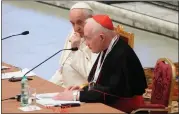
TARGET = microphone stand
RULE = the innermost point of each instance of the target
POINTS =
(18, 96)
(23, 33)
(10, 36)
(13, 79)
(73, 49)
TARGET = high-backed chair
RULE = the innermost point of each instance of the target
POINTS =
(126, 36)
(162, 88)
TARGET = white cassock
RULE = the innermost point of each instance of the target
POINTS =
(75, 66)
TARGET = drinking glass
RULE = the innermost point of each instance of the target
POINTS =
(32, 96)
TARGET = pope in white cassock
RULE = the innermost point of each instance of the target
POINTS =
(75, 65)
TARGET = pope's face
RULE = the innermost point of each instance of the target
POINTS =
(77, 19)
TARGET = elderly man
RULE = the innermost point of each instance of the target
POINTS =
(117, 78)
(75, 66)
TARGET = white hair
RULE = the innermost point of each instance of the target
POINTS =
(88, 13)
(97, 27)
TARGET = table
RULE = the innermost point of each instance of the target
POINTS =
(11, 89)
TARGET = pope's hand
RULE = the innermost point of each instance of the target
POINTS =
(64, 96)
(75, 40)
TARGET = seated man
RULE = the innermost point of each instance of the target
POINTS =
(117, 78)
(75, 66)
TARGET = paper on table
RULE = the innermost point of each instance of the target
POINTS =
(46, 95)
(4, 67)
(51, 102)
(46, 100)
(30, 108)
(16, 74)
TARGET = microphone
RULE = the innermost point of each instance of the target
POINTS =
(14, 79)
(19, 96)
(73, 49)
(23, 33)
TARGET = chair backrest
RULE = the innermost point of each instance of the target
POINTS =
(126, 36)
(163, 81)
